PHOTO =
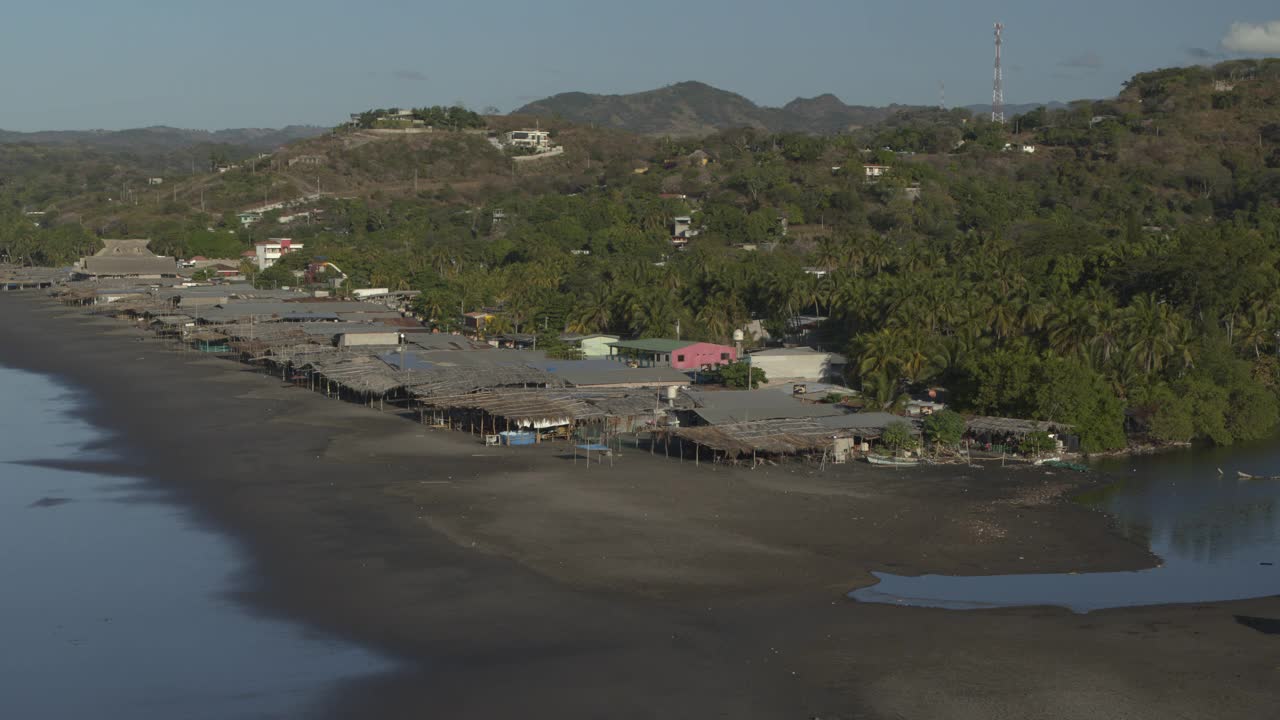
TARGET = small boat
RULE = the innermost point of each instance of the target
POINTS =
(892, 461)
(1245, 476)
(1064, 465)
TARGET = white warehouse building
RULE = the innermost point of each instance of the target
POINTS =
(799, 364)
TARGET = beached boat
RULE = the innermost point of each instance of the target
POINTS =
(892, 461)
(1064, 465)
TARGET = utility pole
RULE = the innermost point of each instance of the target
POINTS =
(997, 88)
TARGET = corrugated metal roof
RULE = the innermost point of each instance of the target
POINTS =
(834, 358)
(877, 421)
(609, 372)
(719, 408)
(130, 265)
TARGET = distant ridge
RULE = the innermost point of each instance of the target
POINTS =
(1017, 109)
(694, 108)
(161, 139)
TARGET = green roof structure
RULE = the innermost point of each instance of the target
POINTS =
(652, 345)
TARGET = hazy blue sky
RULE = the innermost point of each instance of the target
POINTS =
(231, 63)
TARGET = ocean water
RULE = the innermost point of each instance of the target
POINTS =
(1217, 536)
(116, 603)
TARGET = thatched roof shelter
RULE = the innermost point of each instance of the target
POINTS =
(1012, 426)
(770, 437)
(446, 381)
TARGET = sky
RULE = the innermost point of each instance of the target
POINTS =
(83, 64)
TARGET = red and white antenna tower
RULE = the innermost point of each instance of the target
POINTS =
(997, 89)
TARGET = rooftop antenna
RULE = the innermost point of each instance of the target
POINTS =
(997, 89)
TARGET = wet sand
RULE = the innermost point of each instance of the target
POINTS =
(512, 582)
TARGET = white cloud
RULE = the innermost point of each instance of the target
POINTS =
(1254, 39)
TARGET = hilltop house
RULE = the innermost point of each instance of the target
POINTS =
(539, 140)
(682, 230)
(875, 171)
(126, 258)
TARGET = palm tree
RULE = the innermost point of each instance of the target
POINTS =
(880, 352)
(1149, 329)
(920, 357)
(883, 390)
(716, 317)
(1254, 329)
(591, 311)
(877, 253)
(1070, 330)
(1002, 316)
(1106, 329)
(827, 254)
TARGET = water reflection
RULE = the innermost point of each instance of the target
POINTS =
(1218, 537)
(121, 609)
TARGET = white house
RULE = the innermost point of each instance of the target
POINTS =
(267, 252)
(798, 364)
(875, 171)
(537, 139)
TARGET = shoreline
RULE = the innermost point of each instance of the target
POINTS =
(654, 589)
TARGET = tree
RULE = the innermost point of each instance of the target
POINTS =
(898, 435)
(1036, 443)
(1068, 391)
(735, 375)
(945, 428)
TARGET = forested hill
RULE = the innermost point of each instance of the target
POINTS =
(692, 109)
(1114, 264)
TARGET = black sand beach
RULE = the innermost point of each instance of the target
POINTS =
(512, 582)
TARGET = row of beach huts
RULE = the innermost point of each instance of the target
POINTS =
(374, 352)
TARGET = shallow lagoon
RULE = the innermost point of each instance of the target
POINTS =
(1218, 538)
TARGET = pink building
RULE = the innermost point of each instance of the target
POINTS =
(677, 354)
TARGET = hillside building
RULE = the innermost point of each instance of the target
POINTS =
(268, 252)
(539, 140)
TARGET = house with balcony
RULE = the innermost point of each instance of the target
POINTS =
(268, 252)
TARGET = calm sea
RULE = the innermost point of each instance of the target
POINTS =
(116, 603)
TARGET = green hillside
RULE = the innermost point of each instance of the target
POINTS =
(1124, 276)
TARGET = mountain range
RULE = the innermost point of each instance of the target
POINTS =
(693, 108)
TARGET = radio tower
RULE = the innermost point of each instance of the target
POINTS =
(997, 90)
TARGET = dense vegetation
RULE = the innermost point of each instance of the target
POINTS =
(436, 116)
(1124, 277)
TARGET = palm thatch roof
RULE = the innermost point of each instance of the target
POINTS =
(771, 437)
